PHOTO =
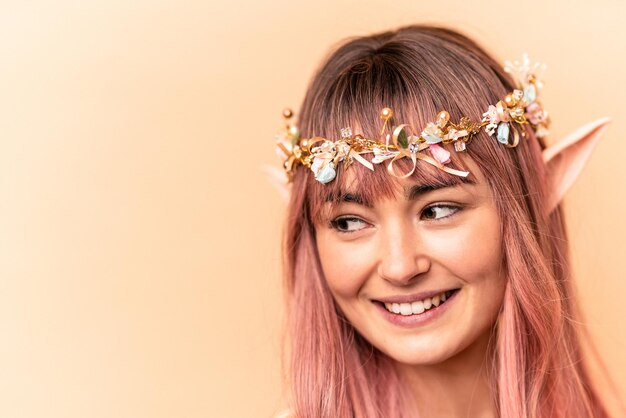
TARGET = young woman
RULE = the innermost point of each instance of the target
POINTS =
(427, 272)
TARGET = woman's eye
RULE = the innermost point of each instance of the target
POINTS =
(348, 224)
(437, 212)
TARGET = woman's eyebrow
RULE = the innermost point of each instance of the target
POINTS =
(347, 197)
(413, 192)
(410, 192)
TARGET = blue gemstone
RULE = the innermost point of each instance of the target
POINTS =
(503, 133)
(431, 139)
(326, 173)
(530, 93)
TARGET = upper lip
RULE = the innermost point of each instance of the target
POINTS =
(412, 297)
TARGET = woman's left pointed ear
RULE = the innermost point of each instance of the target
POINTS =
(277, 178)
(566, 158)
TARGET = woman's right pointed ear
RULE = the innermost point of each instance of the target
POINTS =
(566, 158)
(276, 177)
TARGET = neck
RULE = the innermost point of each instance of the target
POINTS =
(459, 387)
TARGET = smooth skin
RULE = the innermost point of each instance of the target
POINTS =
(447, 238)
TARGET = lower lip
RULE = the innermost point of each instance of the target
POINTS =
(417, 319)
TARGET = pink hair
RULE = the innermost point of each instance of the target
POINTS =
(417, 71)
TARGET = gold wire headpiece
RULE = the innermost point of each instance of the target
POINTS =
(322, 156)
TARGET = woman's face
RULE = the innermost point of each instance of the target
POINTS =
(418, 275)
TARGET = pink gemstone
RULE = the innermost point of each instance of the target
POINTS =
(439, 154)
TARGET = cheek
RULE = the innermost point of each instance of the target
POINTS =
(346, 265)
(478, 263)
(474, 251)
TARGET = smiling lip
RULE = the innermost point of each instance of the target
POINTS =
(413, 297)
(411, 321)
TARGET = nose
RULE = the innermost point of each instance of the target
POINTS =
(403, 254)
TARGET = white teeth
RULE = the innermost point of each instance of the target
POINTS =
(417, 307)
(405, 309)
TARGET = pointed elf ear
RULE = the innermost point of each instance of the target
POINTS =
(566, 158)
(276, 177)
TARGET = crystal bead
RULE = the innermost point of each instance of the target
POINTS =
(459, 146)
(326, 173)
(530, 93)
(430, 139)
(503, 133)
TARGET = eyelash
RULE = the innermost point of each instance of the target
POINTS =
(453, 208)
(336, 222)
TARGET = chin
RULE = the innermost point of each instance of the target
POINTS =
(437, 351)
(418, 354)
(418, 359)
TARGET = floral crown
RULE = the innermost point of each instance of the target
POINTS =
(322, 156)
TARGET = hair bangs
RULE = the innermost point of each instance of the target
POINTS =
(385, 76)
(359, 184)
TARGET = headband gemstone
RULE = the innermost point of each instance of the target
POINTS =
(505, 119)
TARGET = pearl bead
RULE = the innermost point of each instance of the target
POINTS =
(442, 118)
(386, 113)
(510, 100)
(287, 113)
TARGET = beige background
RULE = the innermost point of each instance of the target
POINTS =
(139, 241)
